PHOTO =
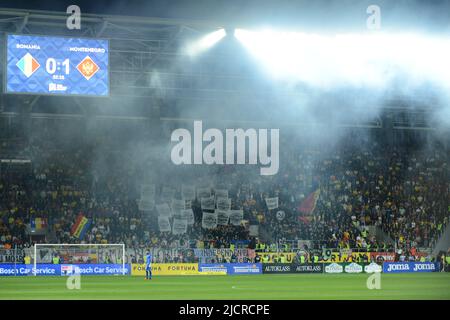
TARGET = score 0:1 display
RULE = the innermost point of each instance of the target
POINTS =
(51, 65)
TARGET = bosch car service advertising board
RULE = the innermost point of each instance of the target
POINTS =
(94, 269)
(27, 270)
(62, 270)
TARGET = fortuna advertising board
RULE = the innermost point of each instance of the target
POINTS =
(166, 269)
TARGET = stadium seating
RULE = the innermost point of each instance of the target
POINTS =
(404, 195)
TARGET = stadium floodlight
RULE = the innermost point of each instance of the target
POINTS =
(205, 42)
(75, 253)
(355, 59)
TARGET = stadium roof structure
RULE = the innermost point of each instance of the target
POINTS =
(150, 73)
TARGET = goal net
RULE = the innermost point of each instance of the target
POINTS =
(73, 254)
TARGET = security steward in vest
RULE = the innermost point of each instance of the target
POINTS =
(316, 258)
(263, 247)
(302, 259)
(447, 262)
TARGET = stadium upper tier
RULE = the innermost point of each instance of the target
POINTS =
(148, 63)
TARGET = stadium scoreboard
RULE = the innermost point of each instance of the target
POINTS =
(57, 65)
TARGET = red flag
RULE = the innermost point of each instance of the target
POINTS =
(308, 205)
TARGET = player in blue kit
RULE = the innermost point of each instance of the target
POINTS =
(148, 266)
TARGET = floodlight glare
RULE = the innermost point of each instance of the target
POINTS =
(205, 42)
(357, 59)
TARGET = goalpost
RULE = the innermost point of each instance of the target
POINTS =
(79, 254)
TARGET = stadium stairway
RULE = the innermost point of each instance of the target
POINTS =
(265, 235)
(51, 236)
(380, 235)
(443, 244)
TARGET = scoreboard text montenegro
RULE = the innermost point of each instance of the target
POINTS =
(57, 65)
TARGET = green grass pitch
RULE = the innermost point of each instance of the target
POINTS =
(283, 286)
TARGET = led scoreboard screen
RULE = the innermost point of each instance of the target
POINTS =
(57, 65)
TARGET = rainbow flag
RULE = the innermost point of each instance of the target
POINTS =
(38, 223)
(80, 226)
(308, 205)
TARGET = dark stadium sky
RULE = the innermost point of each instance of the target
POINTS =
(431, 15)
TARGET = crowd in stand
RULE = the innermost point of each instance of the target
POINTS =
(404, 193)
(406, 196)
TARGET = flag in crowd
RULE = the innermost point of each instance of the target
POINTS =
(37, 224)
(308, 205)
(80, 226)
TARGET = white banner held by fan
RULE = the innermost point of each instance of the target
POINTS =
(167, 194)
(236, 217)
(253, 230)
(146, 205)
(222, 217)
(221, 193)
(164, 224)
(148, 191)
(203, 193)
(178, 205)
(179, 226)
(272, 203)
(147, 200)
(164, 210)
(209, 220)
(208, 203)
(223, 203)
(188, 214)
(188, 192)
